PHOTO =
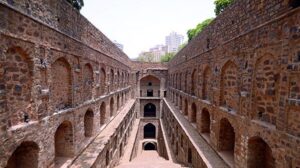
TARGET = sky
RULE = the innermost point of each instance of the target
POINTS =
(142, 24)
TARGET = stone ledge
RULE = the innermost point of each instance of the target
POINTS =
(89, 156)
(205, 151)
(294, 102)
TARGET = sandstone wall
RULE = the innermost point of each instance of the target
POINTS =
(60, 16)
(60, 83)
(243, 70)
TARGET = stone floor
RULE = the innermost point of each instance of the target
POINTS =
(129, 146)
(149, 159)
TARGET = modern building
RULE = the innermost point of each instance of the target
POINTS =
(158, 51)
(173, 42)
(154, 54)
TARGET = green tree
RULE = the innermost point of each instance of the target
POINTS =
(78, 4)
(221, 5)
(167, 57)
(194, 32)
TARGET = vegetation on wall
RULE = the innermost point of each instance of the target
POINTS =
(167, 57)
(220, 5)
(78, 4)
(194, 32)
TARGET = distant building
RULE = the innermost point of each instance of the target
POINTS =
(119, 45)
(146, 56)
(158, 51)
(154, 54)
(173, 41)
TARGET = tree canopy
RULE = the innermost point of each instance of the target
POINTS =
(194, 32)
(167, 57)
(221, 5)
(78, 4)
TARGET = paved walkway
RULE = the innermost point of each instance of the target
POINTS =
(131, 141)
(149, 159)
(208, 155)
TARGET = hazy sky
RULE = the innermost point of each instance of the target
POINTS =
(141, 24)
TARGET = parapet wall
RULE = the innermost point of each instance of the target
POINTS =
(62, 17)
(139, 66)
(240, 18)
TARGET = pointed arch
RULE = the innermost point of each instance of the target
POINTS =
(150, 86)
(264, 89)
(112, 108)
(186, 81)
(61, 84)
(149, 131)
(26, 155)
(112, 79)
(207, 84)
(88, 123)
(18, 70)
(226, 137)
(88, 81)
(118, 79)
(194, 82)
(102, 80)
(118, 102)
(186, 109)
(194, 113)
(64, 146)
(123, 79)
(259, 154)
(102, 113)
(149, 110)
(180, 102)
(229, 96)
(205, 121)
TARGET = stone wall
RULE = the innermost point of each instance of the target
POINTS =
(247, 80)
(62, 17)
(180, 142)
(57, 82)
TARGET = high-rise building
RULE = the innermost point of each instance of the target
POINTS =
(173, 41)
(119, 45)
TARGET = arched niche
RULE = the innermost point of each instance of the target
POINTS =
(26, 156)
(150, 86)
(88, 123)
(149, 110)
(149, 131)
(18, 80)
(61, 86)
